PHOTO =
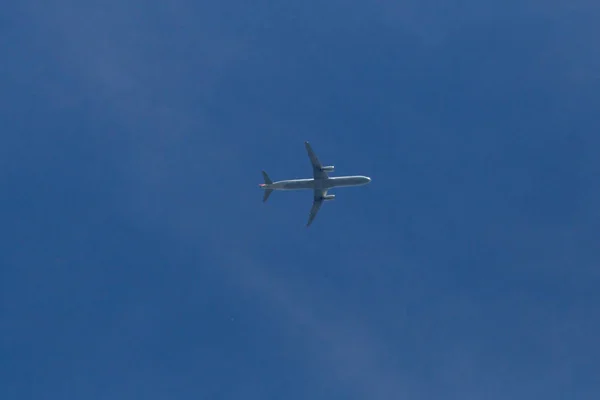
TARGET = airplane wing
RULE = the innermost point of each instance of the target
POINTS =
(316, 164)
(316, 206)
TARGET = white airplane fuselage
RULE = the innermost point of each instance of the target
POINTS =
(312, 184)
(320, 183)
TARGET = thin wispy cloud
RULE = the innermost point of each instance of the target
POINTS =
(486, 307)
(116, 62)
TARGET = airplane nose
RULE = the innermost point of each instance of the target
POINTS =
(368, 179)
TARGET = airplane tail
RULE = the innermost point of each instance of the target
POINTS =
(267, 194)
(268, 181)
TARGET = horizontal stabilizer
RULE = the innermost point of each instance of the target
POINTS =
(266, 178)
(267, 194)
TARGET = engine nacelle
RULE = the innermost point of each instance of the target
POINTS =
(329, 197)
(328, 168)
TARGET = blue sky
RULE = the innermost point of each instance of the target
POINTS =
(138, 260)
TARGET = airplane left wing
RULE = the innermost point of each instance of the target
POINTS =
(316, 206)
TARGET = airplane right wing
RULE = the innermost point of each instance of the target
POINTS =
(318, 173)
(316, 206)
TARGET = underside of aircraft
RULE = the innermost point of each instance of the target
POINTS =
(320, 184)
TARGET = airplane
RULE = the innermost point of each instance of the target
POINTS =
(320, 183)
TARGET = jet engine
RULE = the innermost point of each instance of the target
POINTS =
(329, 197)
(328, 168)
